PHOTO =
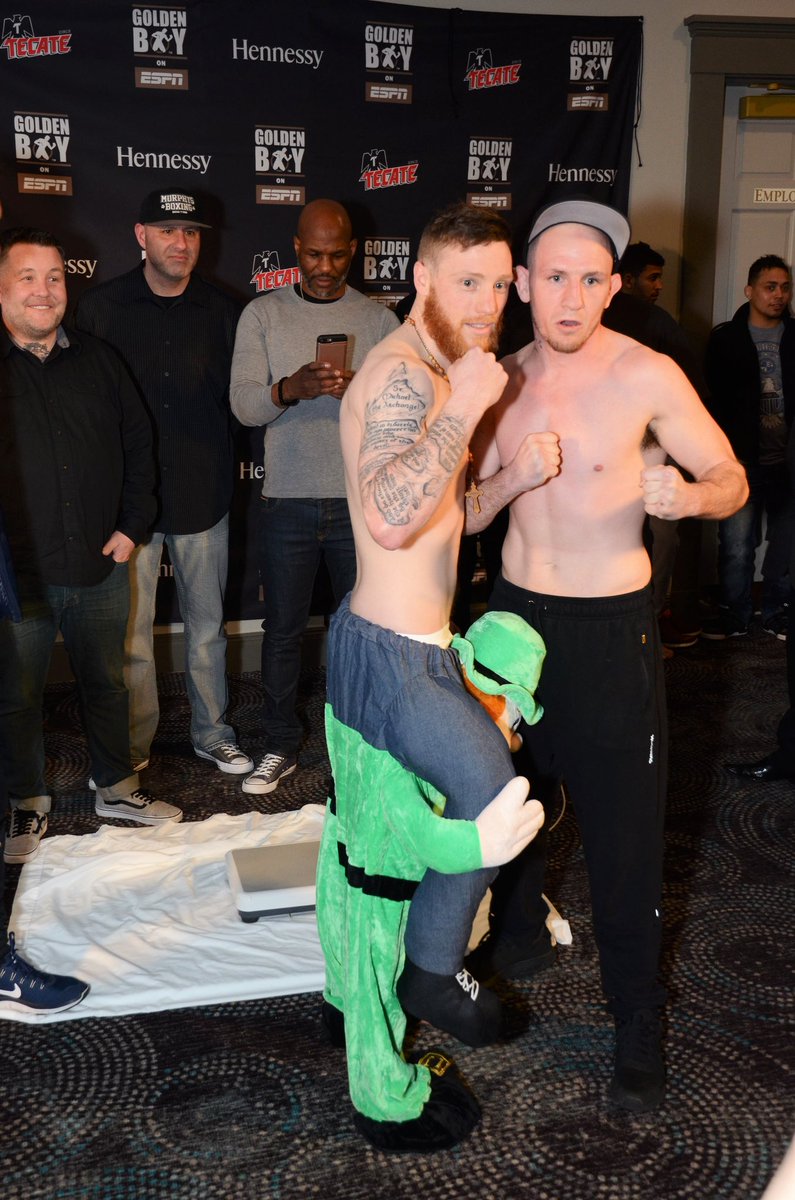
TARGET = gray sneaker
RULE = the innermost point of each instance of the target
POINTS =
(271, 769)
(227, 757)
(140, 806)
(26, 828)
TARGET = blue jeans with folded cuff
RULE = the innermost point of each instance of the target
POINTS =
(92, 621)
(200, 562)
(739, 536)
(294, 536)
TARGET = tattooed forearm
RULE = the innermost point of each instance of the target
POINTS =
(394, 498)
(418, 459)
(449, 436)
(368, 469)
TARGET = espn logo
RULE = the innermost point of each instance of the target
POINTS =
(270, 194)
(587, 102)
(49, 185)
(499, 200)
(389, 93)
(146, 77)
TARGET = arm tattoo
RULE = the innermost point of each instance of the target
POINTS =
(450, 438)
(403, 461)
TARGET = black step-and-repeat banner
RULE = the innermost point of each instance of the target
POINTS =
(392, 110)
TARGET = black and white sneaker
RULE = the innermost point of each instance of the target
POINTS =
(272, 768)
(26, 828)
(25, 989)
(722, 627)
(227, 757)
(777, 625)
(140, 806)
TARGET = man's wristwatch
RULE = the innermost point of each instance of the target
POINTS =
(280, 393)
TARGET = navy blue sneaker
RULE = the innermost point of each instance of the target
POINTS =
(25, 989)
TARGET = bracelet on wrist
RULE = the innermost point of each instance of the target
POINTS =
(280, 393)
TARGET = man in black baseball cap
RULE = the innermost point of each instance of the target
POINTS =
(166, 208)
(176, 333)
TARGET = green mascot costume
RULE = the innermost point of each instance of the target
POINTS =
(384, 828)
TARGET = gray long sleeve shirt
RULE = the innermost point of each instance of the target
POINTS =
(275, 336)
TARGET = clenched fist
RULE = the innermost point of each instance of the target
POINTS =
(536, 460)
(476, 381)
(665, 493)
(509, 823)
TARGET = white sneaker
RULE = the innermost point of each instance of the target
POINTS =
(26, 828)
(227, 757)
(140, 806)
(141, 766)
(271, 769)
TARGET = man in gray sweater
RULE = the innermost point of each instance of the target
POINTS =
(280, 381)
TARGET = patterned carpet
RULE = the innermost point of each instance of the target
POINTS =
(248, 1101)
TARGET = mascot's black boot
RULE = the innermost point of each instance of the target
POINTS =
(501, 956)
(449, 1114)
(333, 1022)
(458, 1004)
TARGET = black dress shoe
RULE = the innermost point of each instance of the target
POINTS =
(765, 770)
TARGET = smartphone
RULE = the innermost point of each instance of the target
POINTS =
(332, 348)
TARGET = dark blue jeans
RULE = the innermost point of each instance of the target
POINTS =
(409, 699)
(295, 535)
(739, 536)
(92, 621)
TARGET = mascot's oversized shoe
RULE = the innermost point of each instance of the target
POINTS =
(458, 1004)
(449, 1115)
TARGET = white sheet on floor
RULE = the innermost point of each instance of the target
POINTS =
(146, 917)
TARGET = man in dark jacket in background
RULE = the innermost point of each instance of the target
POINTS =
(750, 369)
(77, 494)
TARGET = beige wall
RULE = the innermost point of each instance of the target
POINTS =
(657, 188)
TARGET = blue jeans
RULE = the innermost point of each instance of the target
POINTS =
(200, 564)
(294, 536)
(92, 621)
(739, 536)
(409, 698)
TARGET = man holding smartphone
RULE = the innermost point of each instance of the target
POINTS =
(288, 379)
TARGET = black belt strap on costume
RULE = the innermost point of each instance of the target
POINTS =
(385, 887)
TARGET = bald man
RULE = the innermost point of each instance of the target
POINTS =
(279, 381)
